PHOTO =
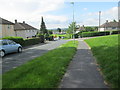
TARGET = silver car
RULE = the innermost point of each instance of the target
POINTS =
(9, 46)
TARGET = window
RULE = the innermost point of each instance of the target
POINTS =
(11, 42)
(113, 27)
(4, 43)
(9, 27)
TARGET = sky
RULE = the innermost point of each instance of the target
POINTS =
(59, 13)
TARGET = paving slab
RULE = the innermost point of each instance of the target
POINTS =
(83, 71)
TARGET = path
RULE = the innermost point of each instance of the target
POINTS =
(82, 71)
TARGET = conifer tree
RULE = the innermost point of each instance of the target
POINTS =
(43, 29)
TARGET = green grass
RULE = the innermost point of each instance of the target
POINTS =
(42, 72)
(105, 49)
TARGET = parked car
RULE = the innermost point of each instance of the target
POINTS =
(9, 46)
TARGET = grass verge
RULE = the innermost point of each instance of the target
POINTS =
(105, 49)
(42, 72)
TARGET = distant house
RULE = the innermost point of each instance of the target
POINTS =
(78, 29)
(109, 26)
(24, 30)
(6, 28)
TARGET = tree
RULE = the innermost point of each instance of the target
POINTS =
(70, 28)
(59, 30)
(43, 29)
(114, 20)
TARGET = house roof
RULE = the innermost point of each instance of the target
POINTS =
(109, 24)
(4, 21)
(23, 26)
(81, 28)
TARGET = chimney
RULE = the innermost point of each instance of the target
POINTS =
(23, 21)
(106, 21)
(15, 20)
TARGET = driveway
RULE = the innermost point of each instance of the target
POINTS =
(16, 59)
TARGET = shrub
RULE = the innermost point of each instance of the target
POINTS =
(115, 32)
(31, 41)
(46, 36)
(76, 35)
(42, 39)
(16, 39)
(26, 42)
(51, 38)
(92, 34)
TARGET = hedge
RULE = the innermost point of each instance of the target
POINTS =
(31, 41)
(92, 34)
(26, 42)
(96, 33)
(19, 40)
(116, 32)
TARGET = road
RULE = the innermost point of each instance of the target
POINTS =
(16, 59)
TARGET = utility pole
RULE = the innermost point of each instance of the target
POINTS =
(99, 19)
(73, 23)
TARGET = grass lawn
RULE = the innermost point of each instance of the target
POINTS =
(42, 72)
(105, 49)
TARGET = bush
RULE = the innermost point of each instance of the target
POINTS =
(31, 41)
(42, 39)
(92, 34)
(116, 32)
(51, 38)
(16, 39)
(26, 42)
(46, 36)
(76, 35)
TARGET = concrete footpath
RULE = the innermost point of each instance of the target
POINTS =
(82, 71)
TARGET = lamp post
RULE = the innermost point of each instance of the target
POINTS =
(73, 22)
(99, 19)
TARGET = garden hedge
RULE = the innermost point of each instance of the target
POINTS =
(26, 42)
(116, 32)
(96, 33)
(19, 40)
(92, 34)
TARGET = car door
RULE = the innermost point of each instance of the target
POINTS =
(6, 46)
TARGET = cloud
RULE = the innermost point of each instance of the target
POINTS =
(89, 22)
(31, 10)
(92, 19)
(85, 8)
(110, 14)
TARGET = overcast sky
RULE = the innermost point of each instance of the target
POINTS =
(58, 13)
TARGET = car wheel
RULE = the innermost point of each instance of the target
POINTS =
(19, 50)
(2, 53)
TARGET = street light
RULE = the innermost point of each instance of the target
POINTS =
(73, 22)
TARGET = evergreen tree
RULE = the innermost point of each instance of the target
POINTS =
(114, 20)
(59, 30)
(43, 29)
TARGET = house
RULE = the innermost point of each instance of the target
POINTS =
(24, 30)
(78, 29)
(109, 26)
(6, 28)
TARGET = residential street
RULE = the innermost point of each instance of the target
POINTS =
(16, 59)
